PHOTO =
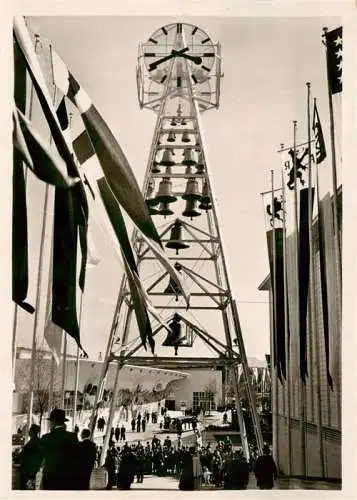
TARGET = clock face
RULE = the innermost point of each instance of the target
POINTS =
(185, 43)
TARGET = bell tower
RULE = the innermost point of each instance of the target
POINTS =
(178, 78)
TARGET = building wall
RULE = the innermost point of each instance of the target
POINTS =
(310, 414)
(198, 381)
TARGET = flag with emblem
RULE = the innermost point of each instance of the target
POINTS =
(320, 148)
(273, 211)
(334, 59)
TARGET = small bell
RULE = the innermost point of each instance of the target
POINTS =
(190, 210)
(167, 160)
(155, 168)
(171, 137)
(188, 157)
(151, 200)
(206, 203)
(200, 165)
(176, 242)
(173, 122)
(185, 137)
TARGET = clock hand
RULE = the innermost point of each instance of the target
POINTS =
(195, 59)
(174, 53)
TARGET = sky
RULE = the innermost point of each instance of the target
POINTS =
(266, 63)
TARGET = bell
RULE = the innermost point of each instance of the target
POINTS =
(206, 203)
(164, 193)
(176, 238)
(183, 122)
(192, 192)
(164, 209)
(151, 200)
(197, 146)
(188, 157)
(173, 122)
(200, 165)
(190, 210)
(167, 158)
(174, 337)
(154, 211)
(185, 137)
(171, 137)
(155, 169)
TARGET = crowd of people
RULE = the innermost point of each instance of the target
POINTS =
(67, 460)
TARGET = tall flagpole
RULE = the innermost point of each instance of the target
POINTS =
(334, 178)
(314, 334)
(297, 255)
(274, 361)
(286, 317)
(74, 418)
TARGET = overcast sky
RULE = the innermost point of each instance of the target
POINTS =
(266, 63)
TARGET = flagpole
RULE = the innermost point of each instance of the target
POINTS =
(313, 308)
(64, 368)
(334, 181)
(302, 385)
(274, 339)
(77, 369)
(286, 317)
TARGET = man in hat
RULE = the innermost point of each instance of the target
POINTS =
(61, 454)
(88, 453)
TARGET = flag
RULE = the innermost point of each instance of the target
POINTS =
(19, 205)
(273, 209)
(297, 253)
(45, 163)
(114, 163)
(334, 59)
(320, 148)
(71, 209)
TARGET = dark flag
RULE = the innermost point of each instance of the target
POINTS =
(334, 59)
(304, 275)
(278, 298)
(19, 205)
(320, 147)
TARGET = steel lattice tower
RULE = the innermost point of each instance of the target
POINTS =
(178, 77)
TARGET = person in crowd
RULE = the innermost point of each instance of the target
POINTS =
(87, 458)
(140, 462)
(265, 470)
(30, 459)
(133, 424)
(143, 424)
(60, 450)
(167, 442)
(122, 433)
(117, 433)
(138, 425)
(111, 463)
(127, 469)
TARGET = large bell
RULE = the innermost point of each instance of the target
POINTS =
(164, 193)
(171, 137)
(164, 209)
(190, 210)
(176, 238)
(200, 164)
(167, 160)
(192, 191)
(185, 137)
(188, 157)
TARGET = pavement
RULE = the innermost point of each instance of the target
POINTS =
(171, 484)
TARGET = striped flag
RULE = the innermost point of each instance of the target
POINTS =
(71, 209)
(115, 166)
(334, 59)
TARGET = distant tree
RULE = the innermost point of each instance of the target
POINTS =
(210, 392)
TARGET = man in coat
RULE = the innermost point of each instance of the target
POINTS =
(265, 470)
(87, 457)
(61, 453)
(30, 459)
